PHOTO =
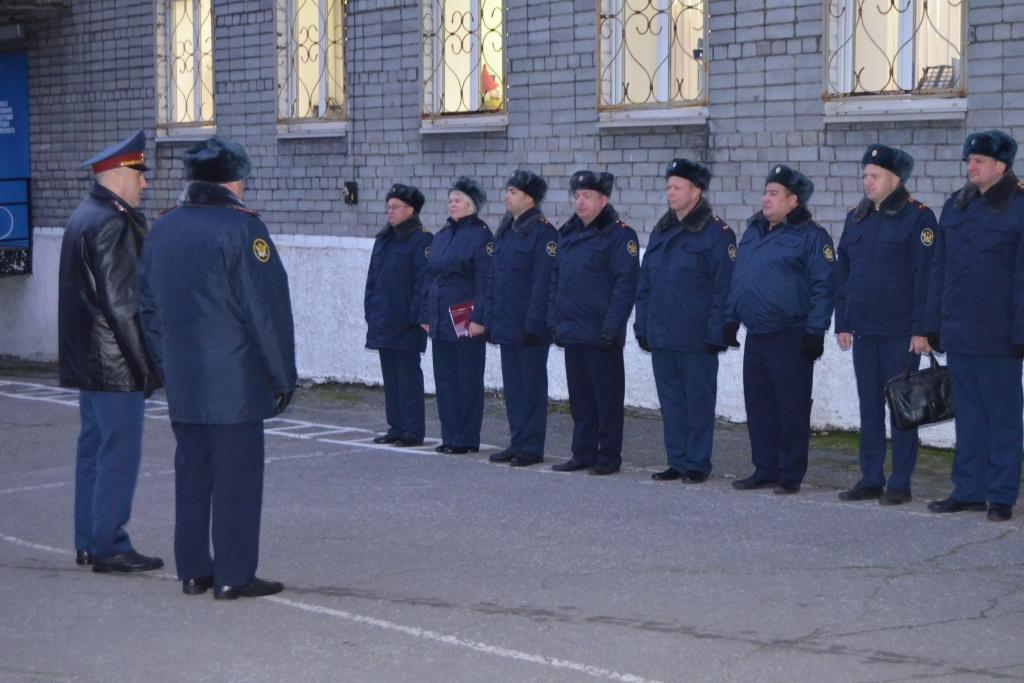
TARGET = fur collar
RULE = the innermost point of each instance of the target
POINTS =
(891, 205)
(997, 197)
(602, 223)
(203, 193)
(692, 222)
(522, 225)
(798, 218)
(403, 229)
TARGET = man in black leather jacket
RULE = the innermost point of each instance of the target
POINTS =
(102, 354)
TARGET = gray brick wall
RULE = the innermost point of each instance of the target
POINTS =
(765, 106)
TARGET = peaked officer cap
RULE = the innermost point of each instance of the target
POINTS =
(896, 161)
(587, 180)
(129, 153)
(216, 160)
(408, 194)
(471, 189)
(793, 180)
(992, 143)
(529, 182)
(689, 170)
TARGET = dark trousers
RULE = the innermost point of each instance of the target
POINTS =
(687, 383)
(988, 398)
(524, 376)
(876, 360)
(597, 389)
(106, 469)
(218, 474)
(459, 380)
(403, 393)
(777, 384)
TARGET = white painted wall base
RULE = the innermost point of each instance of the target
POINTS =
(327, 275)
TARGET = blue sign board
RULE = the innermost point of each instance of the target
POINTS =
(15, 171)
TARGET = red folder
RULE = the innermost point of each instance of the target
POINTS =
(460, 315)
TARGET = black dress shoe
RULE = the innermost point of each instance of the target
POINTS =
(460, 450)
(403, 442)
(694, 477)
(82, 557)
(604, 470)
(667, 475)
(257, 588)
(786, 488)
(130, 561)
(503, 456)
(859, 492)
(443, 448)
(570, 466)
(894, 497)
(753, 482)
(384, 438)
(525, 460)
(197, 586)
(998, 512)
(951, 504)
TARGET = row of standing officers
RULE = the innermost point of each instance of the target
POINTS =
(901, 284)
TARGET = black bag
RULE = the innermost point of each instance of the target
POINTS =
(919, 398)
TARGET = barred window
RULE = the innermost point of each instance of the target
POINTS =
(311, 60)
(893, 47)
(463, 56)
(651, 53)
(184, 70)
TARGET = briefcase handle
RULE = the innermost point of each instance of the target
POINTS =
(910, 358)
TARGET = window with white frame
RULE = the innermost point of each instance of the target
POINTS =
(463, 48)
(651, 54)
(184, 70)
(894, 47)
(311, 60)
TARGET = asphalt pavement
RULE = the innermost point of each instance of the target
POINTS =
(407, 565)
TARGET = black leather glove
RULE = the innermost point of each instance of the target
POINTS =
(935, 341)
(644, 344)
(281, 402)
(729, 334)
(608, 343)
(713, 349)
(531, 339)
(812, 346)
(1018, 351)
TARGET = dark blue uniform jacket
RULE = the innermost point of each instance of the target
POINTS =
(395, 284)
(520, 281)
(684, 281)
(593, 283)
(884, 263)
(784, 277)
(976, 291)
(215, 308)
(458, 267)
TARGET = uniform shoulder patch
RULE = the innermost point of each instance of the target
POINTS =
(927, 237)
(552, 249)
(829, 253)
(632, 247)
(261, 250)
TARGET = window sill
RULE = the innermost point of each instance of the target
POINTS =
(172, 134)
(652, 118)
(895, 108)
(311, 129)
(476, 123)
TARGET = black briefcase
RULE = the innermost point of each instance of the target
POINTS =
(919, 398)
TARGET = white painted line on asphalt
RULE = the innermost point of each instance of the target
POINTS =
(37, 487)
(474, 645)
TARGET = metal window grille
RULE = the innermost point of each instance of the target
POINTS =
(651, 53)
(463, 49)
(311, 60)
(894, 47)
(185, 63)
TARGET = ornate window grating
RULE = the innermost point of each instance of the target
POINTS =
(463, 47)
(185, 63)
(311, 60)
(651, 54)
(894, 47)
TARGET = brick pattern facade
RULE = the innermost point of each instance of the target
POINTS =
(91, 81)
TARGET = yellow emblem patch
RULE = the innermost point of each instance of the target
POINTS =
(552, 249)
(829, 253)
(927, 237)
(490, 248)
(732, 252)
(632, 248)
(261, 250)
